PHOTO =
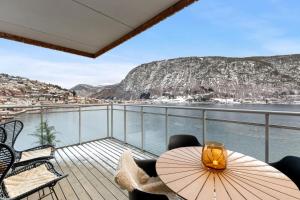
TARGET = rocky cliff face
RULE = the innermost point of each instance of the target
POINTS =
(85, 90)
(221, 77)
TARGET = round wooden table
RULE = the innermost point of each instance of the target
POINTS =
(244, 178)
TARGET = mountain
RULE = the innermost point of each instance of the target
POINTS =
(218, 77)
(15, 89)
(85, 90)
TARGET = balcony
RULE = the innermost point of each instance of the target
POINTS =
(91, 167)
(92, 138)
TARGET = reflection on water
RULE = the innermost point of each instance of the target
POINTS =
(246, 139)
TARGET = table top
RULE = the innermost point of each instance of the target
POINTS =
(244, 178)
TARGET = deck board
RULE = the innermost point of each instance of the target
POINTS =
(91, 167)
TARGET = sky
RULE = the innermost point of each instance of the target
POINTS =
(234, 28)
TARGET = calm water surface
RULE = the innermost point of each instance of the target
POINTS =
(242, 138)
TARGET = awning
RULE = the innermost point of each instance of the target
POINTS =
(84, 27)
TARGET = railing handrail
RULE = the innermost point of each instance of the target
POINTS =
(249, 111)
(54, 106)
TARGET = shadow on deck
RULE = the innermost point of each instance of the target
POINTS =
(91, 168)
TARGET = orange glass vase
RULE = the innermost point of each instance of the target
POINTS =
(214, 155)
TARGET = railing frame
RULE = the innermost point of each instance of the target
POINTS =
(79, 125)
(142, 127)
(204, 120)
(267, 134)
(125, 124)
(110, 108)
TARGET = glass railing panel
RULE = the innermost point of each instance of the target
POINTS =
(136, 108)
(31, 123)
(118, 107)
(133, 128)
(154, 133)
(118, 124)
(249, 140)
(185, 112)
(66, 123)
(283, 142)
(236, 116)
(156, 110)
(285, 120)
(93, 123)
(182, 125)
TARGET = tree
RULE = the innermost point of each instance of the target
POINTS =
(74, 93)
(46, 134)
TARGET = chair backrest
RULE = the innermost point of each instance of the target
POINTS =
(138, 195)
(290, 166)
(2, 135)
(177, 141)
(7, 159)
(12, 129)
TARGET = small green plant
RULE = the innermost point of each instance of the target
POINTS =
(46, 134)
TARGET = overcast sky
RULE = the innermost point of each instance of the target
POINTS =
(207, 28)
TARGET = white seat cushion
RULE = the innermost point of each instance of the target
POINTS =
(28, 155)
(26, 181)
(129, 176)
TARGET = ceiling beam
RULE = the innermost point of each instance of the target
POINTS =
(45, 44)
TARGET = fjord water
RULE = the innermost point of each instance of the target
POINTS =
(246, 139)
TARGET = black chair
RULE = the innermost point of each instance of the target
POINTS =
(2, 135)
(290, 166)
(7, 159)
(9, 136)
(149, 167)
(177, 141)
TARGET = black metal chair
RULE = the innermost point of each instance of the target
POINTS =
(149, 167)
(290, 166)
(177, 141)
(2, 135)
(9, 136)
(15, 191)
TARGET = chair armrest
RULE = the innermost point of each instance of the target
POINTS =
(41, 147)
(32, 165)
(148, 166)
(18, 155)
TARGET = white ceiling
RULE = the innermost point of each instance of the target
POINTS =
(84, 25)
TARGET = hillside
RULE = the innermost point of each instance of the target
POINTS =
(20, 90)
(85, 90)
(276, 77)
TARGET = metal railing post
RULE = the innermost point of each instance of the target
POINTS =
(79, 124)
(125, 123)
(112, 120)
(204, 126)
(267, 134)
(107, 121)
(42, 123)
(142, 127)
(166, 127)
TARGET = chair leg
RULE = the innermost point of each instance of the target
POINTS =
(53, 191)
(52, 195)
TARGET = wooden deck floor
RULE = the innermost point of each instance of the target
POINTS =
(91, 167)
